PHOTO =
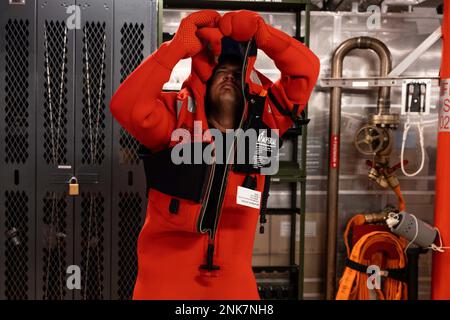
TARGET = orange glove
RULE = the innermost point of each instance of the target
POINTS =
(212, 38)
(186, 41)
(242, 25)
(203, 63)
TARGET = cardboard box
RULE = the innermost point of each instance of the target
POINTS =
(280, 234)
(279, 259)
(315, 232)
(261, 260)
(314, 287)
(315, 265)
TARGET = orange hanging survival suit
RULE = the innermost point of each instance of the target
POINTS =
(177, 259)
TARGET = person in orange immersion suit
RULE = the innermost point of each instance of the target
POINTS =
(197, 238)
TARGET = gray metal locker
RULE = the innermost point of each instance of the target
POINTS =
(17, 150)
(57, 80)
(55, 98)
(135, 38)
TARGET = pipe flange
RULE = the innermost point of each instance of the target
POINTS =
(390, 121)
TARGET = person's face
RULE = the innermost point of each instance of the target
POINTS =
(226, 85)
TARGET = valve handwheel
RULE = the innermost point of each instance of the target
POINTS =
(370, 139)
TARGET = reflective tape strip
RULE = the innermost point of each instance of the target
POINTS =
(191, 105)
(254, 77)
(444, 109)
(179, 105)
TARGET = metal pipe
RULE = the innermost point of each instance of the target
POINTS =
(335, 126)
(375, 217)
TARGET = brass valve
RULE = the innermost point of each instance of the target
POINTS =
(375, 175)
(375, 217)
(383, 174)
(392, 180)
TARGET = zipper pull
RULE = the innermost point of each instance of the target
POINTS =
(209, 259)
(265, 196)
(262, 221)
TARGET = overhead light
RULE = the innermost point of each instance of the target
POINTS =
(402, 2)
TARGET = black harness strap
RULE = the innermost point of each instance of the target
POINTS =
(396, 274)
(279, 107)
(291, 114)
(265, 197)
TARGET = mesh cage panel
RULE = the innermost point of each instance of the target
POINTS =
(54, 257)
(131, 55)
(129, 227)
(16, 84)
(16, 245)
(93, 121)
(55, 93)
(93, 242)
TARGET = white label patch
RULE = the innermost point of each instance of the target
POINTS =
(363, 84)
(248, 197)
(310, 228)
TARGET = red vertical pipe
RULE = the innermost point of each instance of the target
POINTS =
(441, 261)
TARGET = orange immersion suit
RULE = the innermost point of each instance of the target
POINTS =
(171, 248)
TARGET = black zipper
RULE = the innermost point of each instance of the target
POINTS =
(211, 238)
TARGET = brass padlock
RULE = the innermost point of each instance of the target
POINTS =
(73, 186)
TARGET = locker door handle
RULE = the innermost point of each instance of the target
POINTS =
(88, 178)
(63, 178)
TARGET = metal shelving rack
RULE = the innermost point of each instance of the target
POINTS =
(292, 172)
